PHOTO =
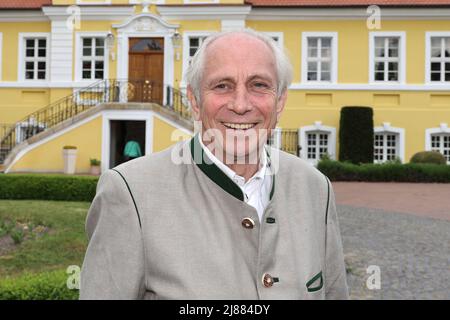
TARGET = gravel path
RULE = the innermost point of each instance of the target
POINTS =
(412, 252)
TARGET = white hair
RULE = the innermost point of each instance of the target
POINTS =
(283, 65)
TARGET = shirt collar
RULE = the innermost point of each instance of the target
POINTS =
(260, 174)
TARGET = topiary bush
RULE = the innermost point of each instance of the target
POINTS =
(42, 286)
(47, 187)
(428, 157)
(356, 135)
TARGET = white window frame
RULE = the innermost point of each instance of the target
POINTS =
(428, 36)
(278, 35)
(143, 1)
(400, 145)
(186, 36)
(334, 56)
(79, 56)
(93, 3)
(402, 56)
(21, 62)
(317, 127)
(442, 129)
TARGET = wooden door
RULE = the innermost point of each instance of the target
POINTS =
(146, 69)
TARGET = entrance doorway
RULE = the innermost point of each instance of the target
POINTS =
(146, 69)
(122, 132)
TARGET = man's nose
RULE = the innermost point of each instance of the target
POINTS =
(240, 102)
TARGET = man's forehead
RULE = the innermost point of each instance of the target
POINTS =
(226, 42)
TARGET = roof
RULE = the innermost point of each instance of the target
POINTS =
(24, 4)
(346, 3)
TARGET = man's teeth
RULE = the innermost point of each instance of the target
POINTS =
(239, 126)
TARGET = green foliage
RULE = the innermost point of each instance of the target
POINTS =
(387, 172)
(356, 135)
(47, 187)
(57, 240)
(94, 162)
(17, 235)
(42, 286)
(428, 157)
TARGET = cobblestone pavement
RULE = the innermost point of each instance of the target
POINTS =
(412, 252)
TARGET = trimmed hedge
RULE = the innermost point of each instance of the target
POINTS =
(428, 157)
(42, 286)
(356, 135)
(387, 172)
(47, 187)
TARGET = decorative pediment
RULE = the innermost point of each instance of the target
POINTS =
(145, 22)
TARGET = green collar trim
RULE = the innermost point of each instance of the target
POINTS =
(205, 164)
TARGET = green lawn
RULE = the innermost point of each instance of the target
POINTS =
(50, 236)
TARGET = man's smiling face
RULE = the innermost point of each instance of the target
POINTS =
(238, 94)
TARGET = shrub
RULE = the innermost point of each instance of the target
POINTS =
(47, 187)
(95, 162)
(356, 135)
(428, 157)
(388, 172)
(42, 286)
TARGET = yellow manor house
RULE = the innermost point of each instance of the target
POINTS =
(89, 77)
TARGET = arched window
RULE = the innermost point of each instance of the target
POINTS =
(388, 143)
(438, 139)
(316, 141)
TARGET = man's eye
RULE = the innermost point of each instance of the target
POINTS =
(221, 86)
(261, 85)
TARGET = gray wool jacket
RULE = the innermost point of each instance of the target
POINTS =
(161, 229)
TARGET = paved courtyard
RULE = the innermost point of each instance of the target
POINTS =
(404, 229)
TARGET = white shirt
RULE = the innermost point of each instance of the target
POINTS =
(257, 189)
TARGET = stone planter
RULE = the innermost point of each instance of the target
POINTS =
(95, 170)
(70, 160)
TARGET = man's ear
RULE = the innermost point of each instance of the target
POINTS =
(195, 108)
(280, 104)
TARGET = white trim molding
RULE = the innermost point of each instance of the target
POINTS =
(334, 56)
(428, 36)
(21, 56)
(369, 87)
(93, 3)
(400, 132)
(402, 56)
(90, 12)
(22, 16)
(324, 14)
(203, 12)
(317, 128)
(442, 129)
(79, 54)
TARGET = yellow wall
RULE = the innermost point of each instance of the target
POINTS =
(162, 133)
(48, 157)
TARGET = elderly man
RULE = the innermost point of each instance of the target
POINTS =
(239, 220)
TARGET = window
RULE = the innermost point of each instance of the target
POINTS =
(317, 141)
(438, 139)
(388, 143)
(319, 63)
(35, 59)
(439, 61)
(441, 142)
(194, 45)
(385, 146)
(317, 145)
(93, 58)
(387, 57)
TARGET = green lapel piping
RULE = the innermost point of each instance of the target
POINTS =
(215, 174)
(314, 279)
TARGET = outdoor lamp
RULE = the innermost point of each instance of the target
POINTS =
(110, 40)
(176, 41)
